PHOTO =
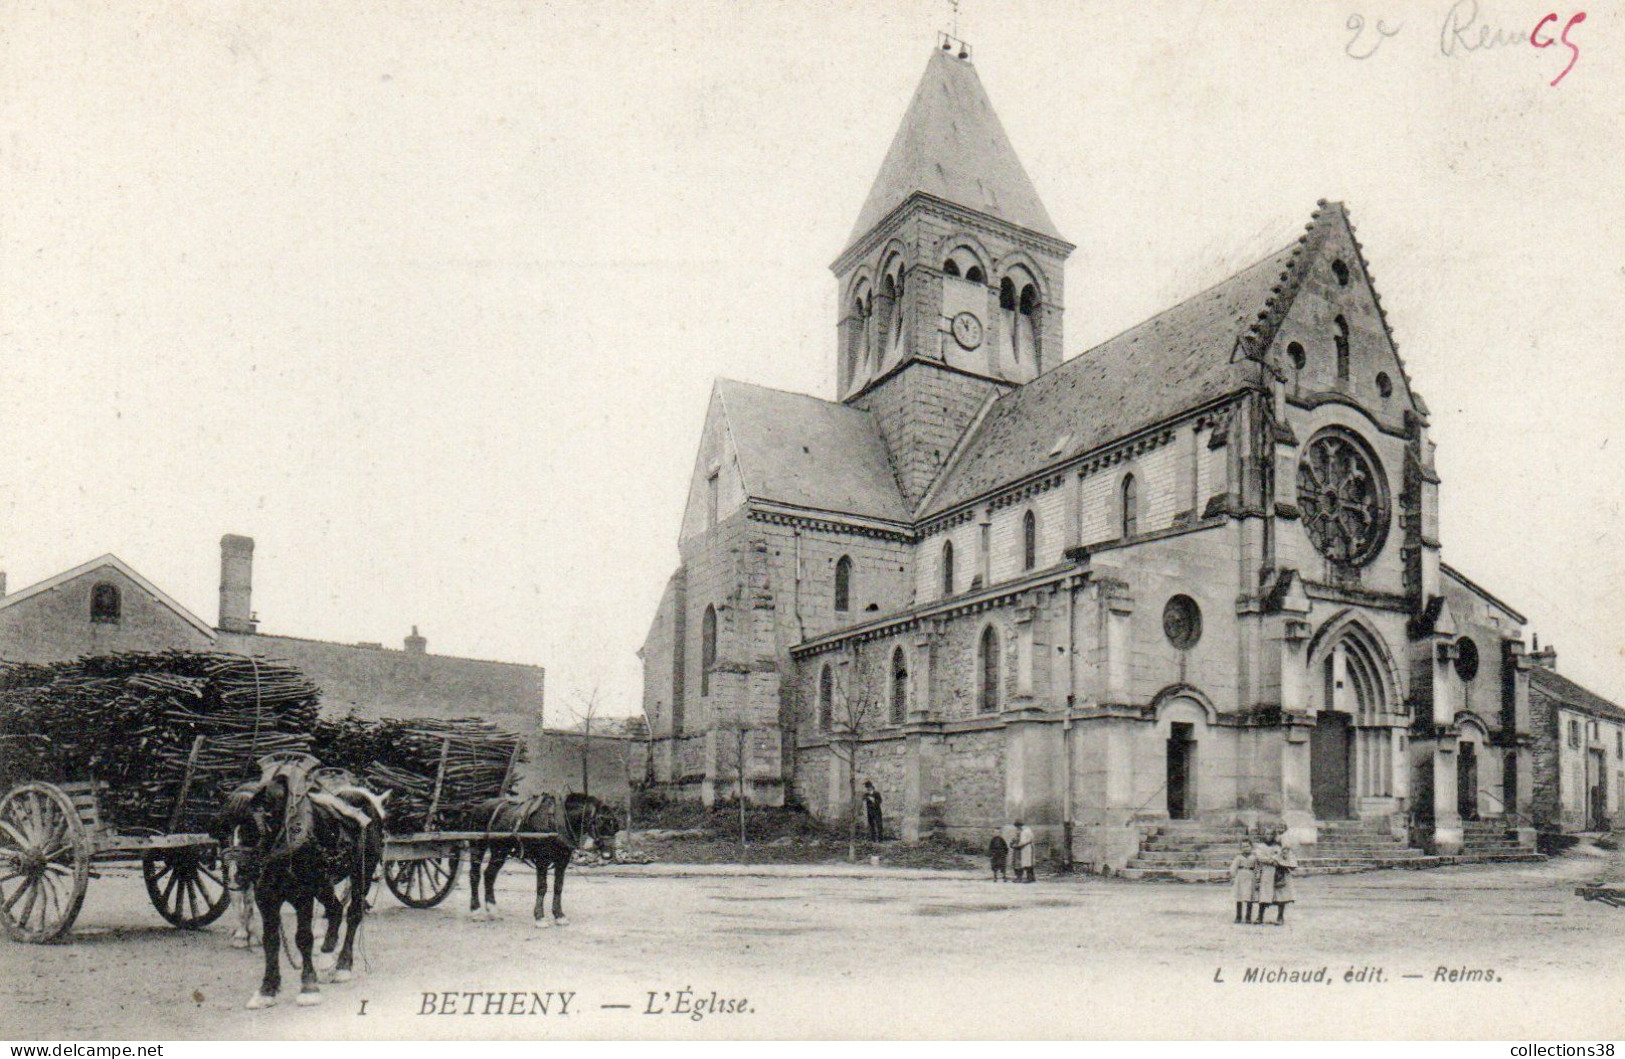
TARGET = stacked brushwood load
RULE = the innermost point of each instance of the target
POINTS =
(404, 757)
(132, 722)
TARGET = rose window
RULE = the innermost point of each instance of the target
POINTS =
(1343, 498)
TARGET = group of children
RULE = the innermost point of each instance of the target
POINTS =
(1260, 876)
(1012, 852)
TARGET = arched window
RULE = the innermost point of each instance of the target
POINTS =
(826, 699)
(964, 262)
(1029, 541)
(843, 584)
(948, 569)
(1295, 353)
(1007, 295)
(987, 669)
(1342, 349)
(708, 648)
(105, 603)
(1341, 271)
(899, 686)
(1131, 506)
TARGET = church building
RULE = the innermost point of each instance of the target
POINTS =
(1191, 574)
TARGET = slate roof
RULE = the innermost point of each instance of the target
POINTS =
(1177, 360)
(952, 146)
(1556, 686)
(811, 453)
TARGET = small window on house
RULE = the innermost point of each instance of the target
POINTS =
(987, 668)
(713, 499)
(1574, 735)
(1131, 507)
(843, 584)
(950, 269)
(1295, 353)
(708, 648)
(1385, 385)
(899, 687)
(1341, 271)
(105, 604)
(1029, 300)
(1619, 743)
(1342, 339)
(1466, 659)
(975, 274)
(948, 568)
(1007, 295)
(826, 699)
(1029, 541)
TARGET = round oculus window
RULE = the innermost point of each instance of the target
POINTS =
(1182, 622)
(1466, 659)
(1343, 497)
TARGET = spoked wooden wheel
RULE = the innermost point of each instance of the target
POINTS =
(44, 863)
(187, 885)
(422, 883)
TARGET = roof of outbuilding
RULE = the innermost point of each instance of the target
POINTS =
(800, 450)
(952, 146)
(1177, 360)
(1557, 686)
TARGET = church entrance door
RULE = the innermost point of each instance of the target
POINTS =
(1329, 765)
(1467, 780)
(1181, 766)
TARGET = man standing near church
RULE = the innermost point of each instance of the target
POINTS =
(871, 809)
(1022, 852)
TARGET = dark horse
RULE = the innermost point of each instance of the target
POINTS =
(501, 818)
(304, 836)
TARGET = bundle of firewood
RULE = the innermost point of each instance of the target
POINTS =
(133, 723)
(472, 758)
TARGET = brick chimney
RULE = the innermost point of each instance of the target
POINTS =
(415, 644)
(236, 584)
(1546, 659)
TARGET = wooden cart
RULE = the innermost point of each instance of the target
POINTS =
(421, 869)
(53, 834)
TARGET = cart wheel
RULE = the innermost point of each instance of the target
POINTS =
(186, 885)
(44, 863)
(422, 883)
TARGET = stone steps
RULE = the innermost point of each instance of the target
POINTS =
(1312, 867)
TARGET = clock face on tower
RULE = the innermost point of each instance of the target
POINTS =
(967, 330)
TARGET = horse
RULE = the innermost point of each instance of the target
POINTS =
(514, 815)
(304, 837)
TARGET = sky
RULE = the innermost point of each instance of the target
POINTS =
(427, 298)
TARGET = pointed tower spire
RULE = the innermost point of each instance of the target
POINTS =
(951, 146)
(952, 285)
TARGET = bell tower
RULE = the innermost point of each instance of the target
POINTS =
(951, 284)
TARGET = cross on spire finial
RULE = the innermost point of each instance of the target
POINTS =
(951, 42)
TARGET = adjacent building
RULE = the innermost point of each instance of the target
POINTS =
(104, 606)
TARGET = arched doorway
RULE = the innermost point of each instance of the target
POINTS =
(1354, 752)
(1182, 724)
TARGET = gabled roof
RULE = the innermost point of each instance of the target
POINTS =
(1480, 591)
(1555, 685)
(951, 146)
(1177, 360)
(113, 562)
(810, 453)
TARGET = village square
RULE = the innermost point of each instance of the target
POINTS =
(1005, 682)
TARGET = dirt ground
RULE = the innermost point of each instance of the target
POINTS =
(826, 951)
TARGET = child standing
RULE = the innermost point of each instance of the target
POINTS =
(1244, 881)
(998, 855)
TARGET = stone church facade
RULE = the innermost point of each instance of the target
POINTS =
(1192, 573)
